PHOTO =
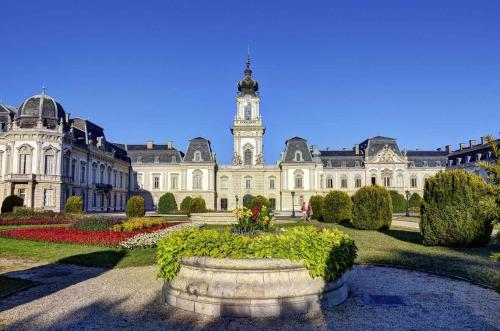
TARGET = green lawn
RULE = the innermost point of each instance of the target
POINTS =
(397, 247)
(10, 285)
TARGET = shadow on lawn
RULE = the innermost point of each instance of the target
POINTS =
(50, 278)
(404, 235)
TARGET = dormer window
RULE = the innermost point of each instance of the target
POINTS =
(343, 164)
(298, 156)
(467, 158)
(450, 163)
(412, 164)
(197, 156)
(459, 160)
(157, 159)
(357, 164)
(174, 159)
(329, 164)
(478, 157)
(139, 159)
(438, 163)
(426, 163)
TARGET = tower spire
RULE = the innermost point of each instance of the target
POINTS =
(248, 71)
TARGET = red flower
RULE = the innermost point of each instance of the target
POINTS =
(66, 235)
(255, 214)
(35, 221)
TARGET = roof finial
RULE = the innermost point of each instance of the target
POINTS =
(248, 54)
(248, 71)
(43, 89)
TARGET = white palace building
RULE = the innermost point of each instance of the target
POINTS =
(46, 156)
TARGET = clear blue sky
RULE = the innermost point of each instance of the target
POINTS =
(334, 72)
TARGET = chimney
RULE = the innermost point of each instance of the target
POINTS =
(328, 148)
(149, 144)
(439, 149)
(483, 140)
(356, 149)
(461, 145)
(472, 143)
(345, 148)
(448, 149)
(170, 144)
(67, 117)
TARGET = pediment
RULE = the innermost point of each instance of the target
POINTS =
(388, 155)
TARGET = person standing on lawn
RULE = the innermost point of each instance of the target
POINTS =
(303, 208)
(309, 212)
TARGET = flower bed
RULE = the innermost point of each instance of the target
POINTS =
(66, 235)
(139, 223)
(145, 240)
(36, 221)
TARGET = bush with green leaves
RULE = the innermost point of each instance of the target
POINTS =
(452, 214)
(372, 208)
(415, 201)
(398, 202)
(186, 204)
(95, 223)
(74, 205)
(258, 201)
(337, 207)
(247, 200)
(135, 207)
(198, 205)
(326, 253)
(317, 203)
(167, 204)
(10, 202)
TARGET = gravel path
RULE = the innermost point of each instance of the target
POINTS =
(70, 297)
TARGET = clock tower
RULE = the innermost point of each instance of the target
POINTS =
(247, 128)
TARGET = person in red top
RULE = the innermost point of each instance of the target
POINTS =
(303, 208)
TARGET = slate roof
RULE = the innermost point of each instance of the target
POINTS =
(139, 153)
(459, 157)
(293, 145)
(371, 146)
(203, 146)
(431, 158)
(6, 111)
(51, 111)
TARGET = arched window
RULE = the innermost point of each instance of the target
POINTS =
(298, 156)
(248, 157)
(197, 156)
(374, 179)
(400, 180)
(25, 159)
(197, 180)
(298, 179)
(49, 162)
(110, 176)
(343, 182)
(248, 111)
(413, 181)
(224, 182)
(329, 182)
(94, 173)
(357, 181)
(101, 174)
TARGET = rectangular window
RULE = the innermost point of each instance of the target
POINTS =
(48, 199)
(343, 183)
(413, 182)
(94, 200)
(156, 182)
(174, 181)
(272, 203)
(140, 183)
(73, 170)
(23, 163)
(82, 173)
(22, 194)
(298, 182)
(248, 184)
(49, 164)
(374, 180)
(357, 183)
(223, 204)
(387, 181)
(271, 184)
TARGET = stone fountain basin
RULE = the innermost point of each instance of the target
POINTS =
(250, 288)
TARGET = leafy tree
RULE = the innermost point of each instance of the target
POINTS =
(372, 208)
(186, 204)
(317, 203)
(415, 201)
(135, 207)
(10, 202)
(74, 205)
(167, 203)
(398, 202)
(198, 205)
(258, 201)
(337, 207)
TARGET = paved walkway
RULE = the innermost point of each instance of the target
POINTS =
(70, 297)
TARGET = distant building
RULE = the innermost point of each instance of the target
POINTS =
(467, 157)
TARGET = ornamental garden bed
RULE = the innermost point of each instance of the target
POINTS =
(266, 274)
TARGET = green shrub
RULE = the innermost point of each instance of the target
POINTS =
(337, 207)
(167, 204)
(326, 253)
(372, 208)
(10, 202)
(95, 223)
(317, 203)
(415, 201)
(74, 205)
(259, 201)
(398, 202)
(186, 204)
(247, 200)
(135, 207)
(452, 213)
(26, 212)
(197, 205)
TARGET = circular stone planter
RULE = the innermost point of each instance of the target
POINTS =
(250, 288)
(214, 218)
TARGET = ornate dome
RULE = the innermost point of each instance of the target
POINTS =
(247, 85)
(40, 107)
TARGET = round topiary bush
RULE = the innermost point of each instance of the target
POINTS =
(186, 204)
(259, 201)
(372, 208)
(135, 207)
(398, 202)
(452, 214)
(415, 201)
(337, 207)
(247, 200)
(317, 203)
(167, 204)
(74, 205)
(10, 202)
(198, 205)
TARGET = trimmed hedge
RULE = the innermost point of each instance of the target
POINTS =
(415, 201)
(317, 203)
(259, 201)
(326, 253)
(167, 203)
(95, 223)
(398, 202)
(197, 205)
(135, 207)
(186, 204)
(337, 207)
(372, 208)
(452, 213)
(74, 205)
(10, 202)
(247, 200)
